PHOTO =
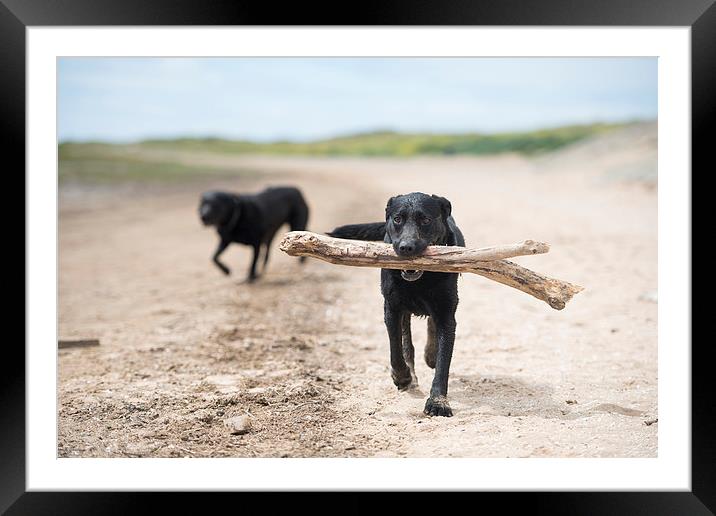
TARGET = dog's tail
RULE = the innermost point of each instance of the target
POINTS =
(370, 231)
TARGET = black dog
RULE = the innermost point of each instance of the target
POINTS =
(252, 219)
(413, 222)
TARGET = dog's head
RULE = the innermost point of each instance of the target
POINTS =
(216, 208)
(413, 222)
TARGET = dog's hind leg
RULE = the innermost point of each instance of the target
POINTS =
(431, 348)
(266, 255)
(298, 222)
(399, 370)
(408, 349)
(299, 218)
(252, 271)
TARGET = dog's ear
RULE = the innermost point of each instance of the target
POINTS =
(445, 205)
(388, 206)
(232, 208)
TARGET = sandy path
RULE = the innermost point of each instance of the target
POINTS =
(304, 351)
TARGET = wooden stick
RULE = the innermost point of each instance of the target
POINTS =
(487, 262)
(81, 343)
(360, 253)
(554, 292)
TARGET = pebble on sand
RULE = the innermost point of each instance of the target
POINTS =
(238, 425)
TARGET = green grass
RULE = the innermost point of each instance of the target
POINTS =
(387, 143)
(155, 160)
(107, 171)
(105, 163)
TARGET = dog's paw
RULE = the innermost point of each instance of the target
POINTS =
(223, 268)
(402, 381)
(437, 406)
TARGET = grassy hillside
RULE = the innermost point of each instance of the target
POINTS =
(155, 159)
(387, 143)
(106, 163)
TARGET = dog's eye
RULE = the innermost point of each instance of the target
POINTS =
(426, 221)
(397, 219)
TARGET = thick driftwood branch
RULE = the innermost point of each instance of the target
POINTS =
(488, 262)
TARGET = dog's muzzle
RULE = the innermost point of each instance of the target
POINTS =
(411, 275)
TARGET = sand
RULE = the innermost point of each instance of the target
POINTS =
(303, 353)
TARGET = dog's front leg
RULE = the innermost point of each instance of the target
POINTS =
(400, 372)
(437, 403)
(223, 244)
(431, 347)
(408, 348)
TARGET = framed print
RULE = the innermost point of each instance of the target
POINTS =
(167, 150)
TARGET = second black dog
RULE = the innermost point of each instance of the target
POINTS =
(252, 219)
(413, 222)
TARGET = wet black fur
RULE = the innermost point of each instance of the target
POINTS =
(413, 222)
(252, 220)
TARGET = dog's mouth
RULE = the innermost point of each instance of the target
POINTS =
(411, 275)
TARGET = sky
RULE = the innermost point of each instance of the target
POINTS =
(303, 99)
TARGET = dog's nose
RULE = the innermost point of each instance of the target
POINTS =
(204, 213)
(406, 247)
(410, 247)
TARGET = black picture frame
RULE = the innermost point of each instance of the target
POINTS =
(16, 15)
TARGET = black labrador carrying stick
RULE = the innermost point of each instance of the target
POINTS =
(489, 262)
